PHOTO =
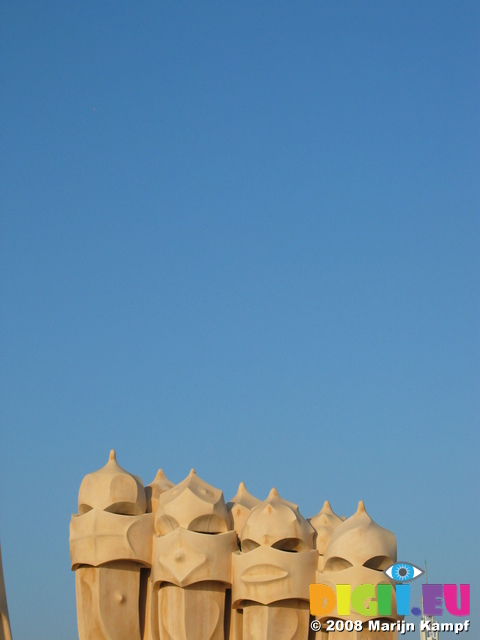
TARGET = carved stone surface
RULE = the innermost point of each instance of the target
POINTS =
(358, 552)
(272, 571)
(191, 565)
(324, 523)
(110, 540)
(174, 562)
(240, 506)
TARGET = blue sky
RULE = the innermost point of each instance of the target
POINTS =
(240, 237)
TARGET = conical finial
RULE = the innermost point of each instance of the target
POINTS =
(159, 485)
(326, 517)
(327, 508)
(243, 497)
(160, 476)
(240, 506)
(361, 507)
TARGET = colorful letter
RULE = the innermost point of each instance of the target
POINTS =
(360, 595)
(384, 599)
(343, 599)
(450, 595)
(322, 599)
(403, 599)
(432, 599)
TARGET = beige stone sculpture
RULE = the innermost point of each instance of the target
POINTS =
(5, 632)
(324, 523)
(358, 552)
(110, 540)
(159, 485)
(191, 566)
(272, 571)
(173, 562)
(240, 506)
(153, 491)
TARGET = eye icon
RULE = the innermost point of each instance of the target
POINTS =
(403, 572)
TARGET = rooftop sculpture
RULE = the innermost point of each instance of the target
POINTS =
(174, 562)
(5, 633)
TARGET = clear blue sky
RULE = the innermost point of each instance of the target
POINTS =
(241, 237)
